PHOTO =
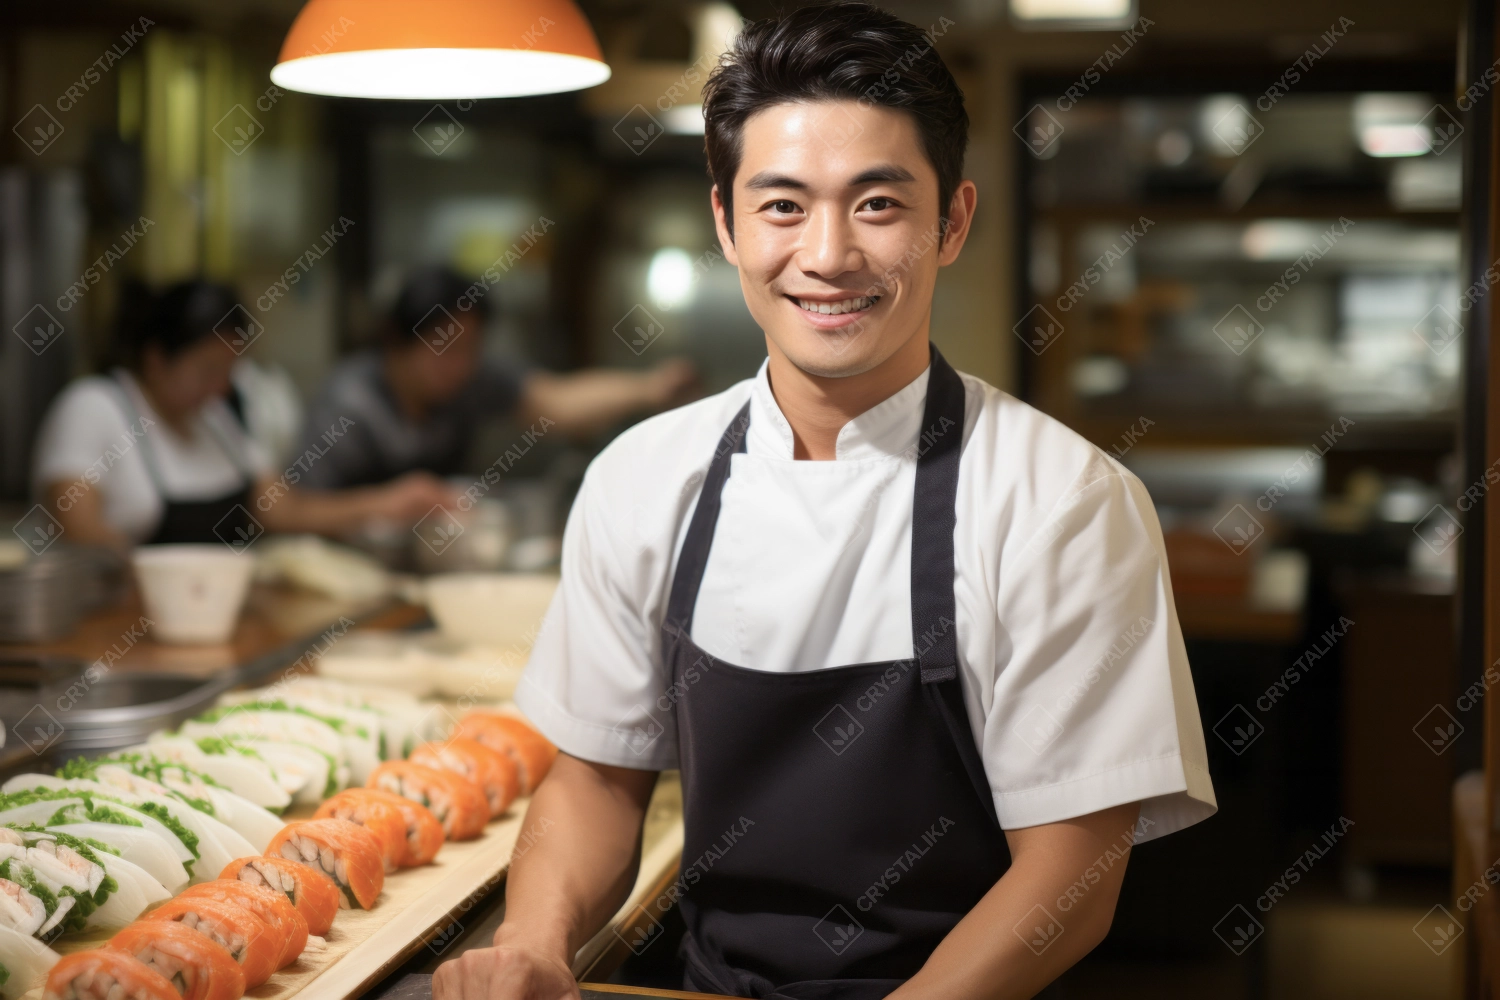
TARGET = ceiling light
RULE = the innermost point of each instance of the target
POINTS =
(1072, 13)
(1392, 124)
(439, 49)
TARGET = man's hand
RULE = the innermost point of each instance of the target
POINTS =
(505, 973)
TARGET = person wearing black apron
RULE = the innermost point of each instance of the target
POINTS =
(105, 457)
(778, 914)
(920, 727)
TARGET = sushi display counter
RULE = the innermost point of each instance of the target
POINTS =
(153, 725)
(428, 907)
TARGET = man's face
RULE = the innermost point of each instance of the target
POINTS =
(444, 361)
(836, 232)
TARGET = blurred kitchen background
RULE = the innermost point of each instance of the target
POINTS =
(1225, 241)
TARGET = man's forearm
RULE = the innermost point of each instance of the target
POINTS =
(577, 856)
(1051, 908)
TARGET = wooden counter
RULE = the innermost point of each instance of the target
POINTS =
(278, 625)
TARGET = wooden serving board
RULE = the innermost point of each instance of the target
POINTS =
(429, 907)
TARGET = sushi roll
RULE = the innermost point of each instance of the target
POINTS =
(24, 962)
(424, 834)
(211, 841)
(271, 906)
(496, 773)
(198, 967)
(457, 802)
(381, 818)
(256, 945)
(346, 852)
(55, 807)
(310, 892)
(515, 736)
(138, 846)
(22, 910)
(105, 974)
(68, 878)
(241, 770)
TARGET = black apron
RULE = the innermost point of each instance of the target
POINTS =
(223, 518)
(838, 821)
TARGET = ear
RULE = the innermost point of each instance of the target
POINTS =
(721, 225)
(960, 220)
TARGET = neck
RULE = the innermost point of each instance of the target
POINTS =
(179, 422)
(817, 407)
(408, 398)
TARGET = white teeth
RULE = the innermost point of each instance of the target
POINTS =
(839, 308)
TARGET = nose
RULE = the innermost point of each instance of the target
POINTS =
(828, 248)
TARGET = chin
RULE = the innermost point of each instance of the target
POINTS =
(829, 357)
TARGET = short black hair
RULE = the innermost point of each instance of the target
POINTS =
(848, 51)
(427, 292)
(172, 321)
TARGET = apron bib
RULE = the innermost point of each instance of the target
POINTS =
(195, 521)
(838, 822)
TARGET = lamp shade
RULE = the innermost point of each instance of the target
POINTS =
(439, 49)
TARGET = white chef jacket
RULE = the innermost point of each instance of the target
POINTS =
(1074, 672)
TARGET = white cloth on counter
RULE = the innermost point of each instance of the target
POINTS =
(88, 437)
(1074, 671)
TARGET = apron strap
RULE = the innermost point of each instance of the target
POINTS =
(693, 559)
(934, 609)
(933, 518)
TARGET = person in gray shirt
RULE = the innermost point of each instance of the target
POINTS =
(415, 402)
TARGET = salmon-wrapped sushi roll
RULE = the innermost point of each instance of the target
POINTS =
(255, 944)
(346, 852)
(380, 818)
(457, 802)
(421, 833)
(198, 967)
(310, 892)
(496, 773)
(105, 974)
(511, 735)
(263, 901)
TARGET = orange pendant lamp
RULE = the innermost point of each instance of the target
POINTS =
(439, 49)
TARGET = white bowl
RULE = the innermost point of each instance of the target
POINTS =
(192, 593)
(492, 609)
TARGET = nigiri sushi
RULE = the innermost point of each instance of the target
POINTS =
(424, 834)
(312, 893)
(197, 966)
(379, 817)
(515, 736)
(457, 802)
(105, 974)
(255, 944)
(496, 773)
(271, 906)
(24, 962)
(346, 852)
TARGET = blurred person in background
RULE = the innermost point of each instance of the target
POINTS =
(152, 453)
(416, 401)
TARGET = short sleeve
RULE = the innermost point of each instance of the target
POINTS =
(593, 685)
(80, 427)
(1093, 704)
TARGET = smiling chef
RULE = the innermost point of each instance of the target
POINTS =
(910, 641)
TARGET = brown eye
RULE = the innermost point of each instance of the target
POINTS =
(784, 207)
(878, 204)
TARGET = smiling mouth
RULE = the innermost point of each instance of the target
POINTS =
(858, 304)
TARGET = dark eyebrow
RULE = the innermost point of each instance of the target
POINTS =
(889, 173)
(766, 179)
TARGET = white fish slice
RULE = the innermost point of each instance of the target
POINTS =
(26, 961)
